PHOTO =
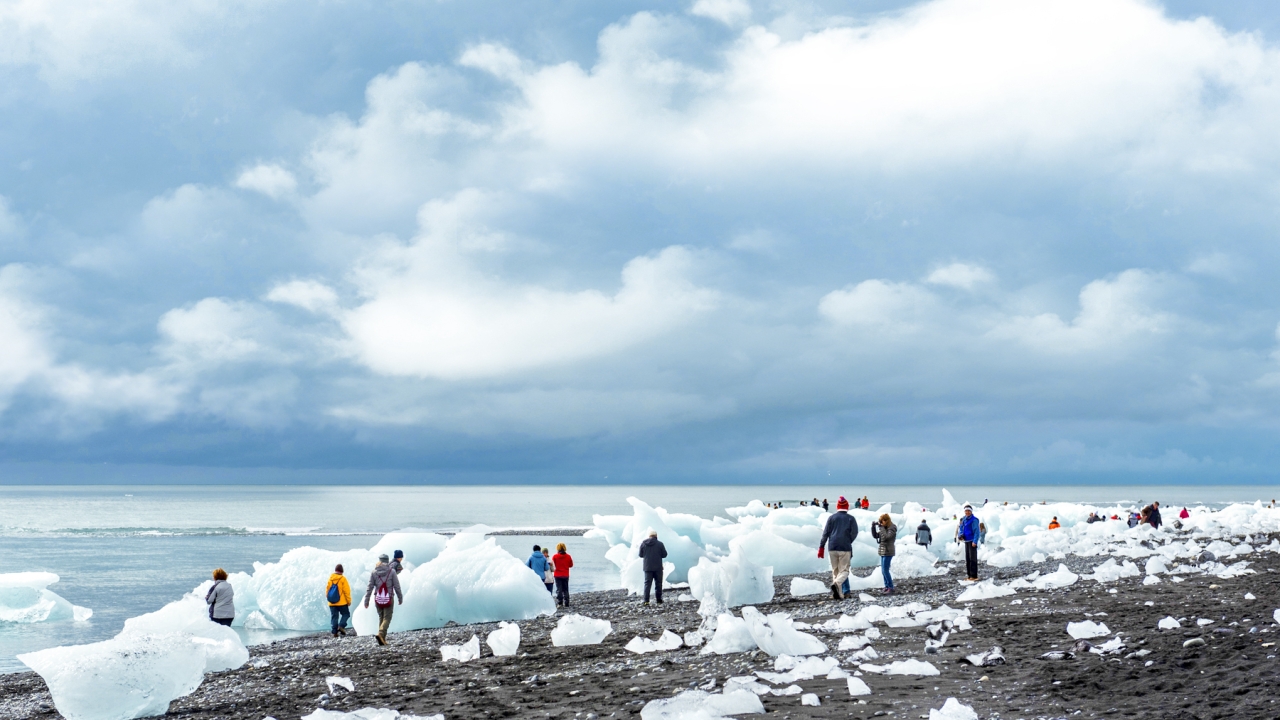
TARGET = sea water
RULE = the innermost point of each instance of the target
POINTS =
(125, 551)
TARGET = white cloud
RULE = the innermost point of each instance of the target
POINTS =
(271, 180)
(309, 295)
(960, 275)
(212, 330)
(878, 303)
(1215, 264)
(729, 12)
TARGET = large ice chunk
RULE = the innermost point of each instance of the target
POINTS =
(155, 659)
(505, 641)
(1060, 578)
(25, 598)
(701, 705)
(984, 590)
(466, 652)
(910, 666)
(289, 594)
(472, 580)
(733, 581)
(419, 547)
(1087, 629)
(579, 630)
(801, 587)
(732, 635)
(775, 634)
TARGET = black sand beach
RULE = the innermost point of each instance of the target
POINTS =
(1233, 674)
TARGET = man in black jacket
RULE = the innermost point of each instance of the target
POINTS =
(1153, 514)
(652, 551)
(841, 530)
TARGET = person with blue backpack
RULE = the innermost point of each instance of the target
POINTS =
(339, 596)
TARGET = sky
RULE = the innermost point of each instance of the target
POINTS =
(708, 241)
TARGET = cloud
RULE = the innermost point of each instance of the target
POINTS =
(960, 275)
(310, 295)
(271, 180)
(877, 303)
(729, 12)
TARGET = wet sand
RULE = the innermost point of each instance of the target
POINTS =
(1233, 674)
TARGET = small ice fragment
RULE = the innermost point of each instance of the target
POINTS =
(1169, 623)
(366, 714)
(693, 638)
(953, 710)
(334, 681)
(810, 699)
(1087, 629)
(984, 590)
(1276, 616)
(902, 667)
(858, 688)
(470, 650)
(1250, 596)
(865, 598)
(505, 641)
(580, 630)
(775, 635)
(668, 641)
(801, 587)
(701, 704)
(788, 690)
(1204, 621)
(853, 642)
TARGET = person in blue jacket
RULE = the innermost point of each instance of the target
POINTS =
(969, 533)
(537, 562)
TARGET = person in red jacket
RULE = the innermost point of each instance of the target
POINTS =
(563, 561)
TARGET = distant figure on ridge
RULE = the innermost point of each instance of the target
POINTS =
(1053, 524)
(383, 585)
(838, 536)
(924, 536)
(549, 575)
(563, 561)
(338, 594)
(886, 533)
(538, 563)
(652, 551)
(967, 532)
(221, 599)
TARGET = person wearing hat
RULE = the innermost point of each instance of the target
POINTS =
(967, 532)
(652, 551)
(383, 582)
(338, 594)
(837, 538)
(396, 557)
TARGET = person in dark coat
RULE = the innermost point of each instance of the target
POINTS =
(924, 536)
(968, 533)
(886, 534)
(837, 537)
(1152, 513)
(652, 551)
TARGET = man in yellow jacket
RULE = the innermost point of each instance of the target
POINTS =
(338, 593)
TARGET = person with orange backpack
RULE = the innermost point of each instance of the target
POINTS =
(383, 583)
(338, 593)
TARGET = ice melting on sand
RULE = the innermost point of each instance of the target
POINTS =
(467, 651)
(24, 598)
(901, 667)
(984, 590)
(1087, 629)
(367, 714)
(579, 630)
(731, 635)
(858, 688)
(733, 581)
(1169, 623)
(775, 635)
(505, 641)
(155, 659)
(800, 587)
(703, 705)
(953, 710)
(667, 641)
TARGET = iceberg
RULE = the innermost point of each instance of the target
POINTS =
(505, 641)
(467, 651)
(579, 630)
(154, 660)
(25, 598)
(775, 634)
(702, 705)
(733, 581)
(472, 580)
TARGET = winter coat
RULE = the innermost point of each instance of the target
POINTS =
(538, 563)
(395, 565)
(652, 550)
(968, 529)
(924, 536)
(221, 600)
(344, 590)
(887, 535)
(842, 530)
(1153, 516)
(383, 574)
(563, 561)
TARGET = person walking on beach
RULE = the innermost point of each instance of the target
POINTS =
(837, 537)
(886, 533)
(540, 565)
(563, 561)
(396, 557)
(924, 536)
(652, 551)
(338, 594)
(383, 584)
(1053, 524)
(1184, 514)
(967, 532)
(1152, 513)
(825, 506)
(221, 599)
(549, 575)
(866, 504)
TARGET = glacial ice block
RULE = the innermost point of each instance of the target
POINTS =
(732, 635)
(775, 634)
(952, 709)
(733, 581)
(801, 587)
(702, 705)
(505, 641)
(466, 652)
(25, 598)
(580, 630)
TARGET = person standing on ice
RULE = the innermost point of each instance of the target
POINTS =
(886, 533)
(221, 599)
(837, 537)
(967, 532)
(1053, 524)
(383, 583)
(563, 561)
(338, 593)
(1184, 514)
(924, 536)
(652, 551)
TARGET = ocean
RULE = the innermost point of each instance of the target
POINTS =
(123, 551)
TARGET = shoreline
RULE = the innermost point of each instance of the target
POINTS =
(1232, 675)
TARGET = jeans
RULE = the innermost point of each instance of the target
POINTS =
(562, 591)
(384, 619)
(550, 586)
(653, 577)
(885, 561)
(338, 617)
(971, 559)
(223, 621)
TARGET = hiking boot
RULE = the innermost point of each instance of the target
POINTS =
(646, 602)
(659, 602)
(381, 640)
(342, 631)
(835, 592)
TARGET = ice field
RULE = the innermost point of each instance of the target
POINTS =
(728, 562)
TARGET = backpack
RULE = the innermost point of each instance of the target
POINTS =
(334, 594)
(382, 596)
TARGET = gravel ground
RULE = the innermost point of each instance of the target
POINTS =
(1232, 675)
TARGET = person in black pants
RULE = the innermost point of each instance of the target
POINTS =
(967, 533)
(652, 551)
